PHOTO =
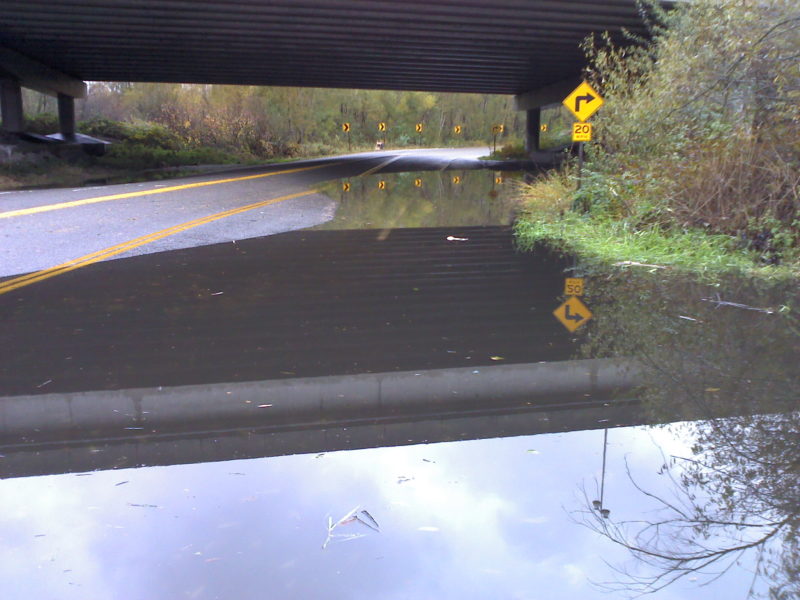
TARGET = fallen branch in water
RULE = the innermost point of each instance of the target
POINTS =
(630, 263)
(719, 302)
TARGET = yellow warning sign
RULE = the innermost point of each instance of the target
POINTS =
(381, 126)
(543, 127)
(572, 313)
(573, 286)
(583, 102)
(419, 127)
(457, 129)
(418, 182)
(456, 180)
(381, 185)
(346, 186)
(498, 129)
(499, 179)
(581, 132)
(346, 127)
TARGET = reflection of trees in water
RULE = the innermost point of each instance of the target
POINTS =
(429, 199)
(735, 372)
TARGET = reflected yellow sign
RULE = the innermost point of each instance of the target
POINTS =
(583, 102)
(573, 313)
(573, 286)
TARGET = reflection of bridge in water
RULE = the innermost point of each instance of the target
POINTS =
(58, 433)
(299, 342)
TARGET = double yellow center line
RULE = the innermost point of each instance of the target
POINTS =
(83, 261)
(175, 188)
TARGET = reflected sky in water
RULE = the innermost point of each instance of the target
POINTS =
(479, 519)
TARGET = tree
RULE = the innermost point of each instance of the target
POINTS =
(729, 369)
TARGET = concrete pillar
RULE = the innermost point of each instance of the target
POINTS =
(532, 127)
(66, 116)
(11, 106)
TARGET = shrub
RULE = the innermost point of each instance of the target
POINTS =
(703, 118)
(42, 124)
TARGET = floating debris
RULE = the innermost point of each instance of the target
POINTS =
(452, 238)
(496, 358)
(356, 518)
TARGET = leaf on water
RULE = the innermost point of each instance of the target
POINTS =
(367, 520)
(357, 517)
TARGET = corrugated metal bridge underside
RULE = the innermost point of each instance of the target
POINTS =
(487, 46)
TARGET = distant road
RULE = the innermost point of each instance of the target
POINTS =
(49, 231)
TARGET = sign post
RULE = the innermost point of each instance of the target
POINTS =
(382, 129)
(583, 102)
(496, 130)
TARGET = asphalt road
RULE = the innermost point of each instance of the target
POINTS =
(41, 229)
(140, 286)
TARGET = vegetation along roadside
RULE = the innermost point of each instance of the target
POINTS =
(695, 161)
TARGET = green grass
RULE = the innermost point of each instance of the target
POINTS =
(605, 242)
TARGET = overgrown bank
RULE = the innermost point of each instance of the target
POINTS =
(695, 161)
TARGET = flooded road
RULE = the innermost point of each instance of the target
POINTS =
(384, 406)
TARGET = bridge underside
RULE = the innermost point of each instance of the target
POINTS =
(488, 46)
(483, 46)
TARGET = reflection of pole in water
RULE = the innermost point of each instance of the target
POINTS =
(598, 504)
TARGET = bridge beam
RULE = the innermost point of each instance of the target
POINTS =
(18, 71)
(37, 76)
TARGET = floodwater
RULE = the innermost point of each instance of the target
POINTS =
(386, 407)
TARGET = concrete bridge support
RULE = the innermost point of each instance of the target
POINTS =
(533, 125)
(66, 116)
(532, 103)
(11, 106)
(18, 71)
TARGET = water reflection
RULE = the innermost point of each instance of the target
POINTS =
(726, 356)
(482, 519)
(423, 199)
(459, 519)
